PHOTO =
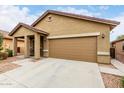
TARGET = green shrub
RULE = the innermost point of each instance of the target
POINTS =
(10, 52)
(3, 55)
(122, 82)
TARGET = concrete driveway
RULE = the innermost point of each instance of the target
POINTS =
(51, 72)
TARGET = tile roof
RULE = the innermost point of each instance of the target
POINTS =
(5, 34)
(100, 20)
(113, 42)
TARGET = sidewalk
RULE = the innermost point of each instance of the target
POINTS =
(118, 65)
(111, 71)
(118, 70)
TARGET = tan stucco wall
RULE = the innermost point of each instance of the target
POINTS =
(22, 31)
(7, 44)
(61, 25)
(103, 59)
(37, 46)
(119, 53)
(21, 45)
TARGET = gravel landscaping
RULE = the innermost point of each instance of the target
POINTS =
(6, 65)
(10, 59)
(111, 81)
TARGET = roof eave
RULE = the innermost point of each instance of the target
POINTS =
(28, 27)
(99, 20)
(13, 30)
(113, 42)
(113, 26)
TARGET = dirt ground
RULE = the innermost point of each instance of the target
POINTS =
(10, 59)
(6, 65)
(111, 81)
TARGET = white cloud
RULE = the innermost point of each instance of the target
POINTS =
(119, 30)
(78, 11)
(11, 15)
(104, 7)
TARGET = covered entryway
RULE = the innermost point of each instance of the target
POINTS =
(34, 40)
(83, 48)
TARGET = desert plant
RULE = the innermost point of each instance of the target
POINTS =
(122, 81)
(3, 55)
(10, 52)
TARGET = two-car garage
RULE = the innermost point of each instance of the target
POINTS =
(77, 48)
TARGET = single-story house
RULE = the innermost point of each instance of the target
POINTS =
(118, 46)
(66, 35)
(7, 42)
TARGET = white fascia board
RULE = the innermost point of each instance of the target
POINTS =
(75, 35)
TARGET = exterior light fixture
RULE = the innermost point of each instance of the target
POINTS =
(103, 35)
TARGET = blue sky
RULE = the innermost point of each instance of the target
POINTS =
(107, 12)
(11, 15)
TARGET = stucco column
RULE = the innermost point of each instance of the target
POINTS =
(46, 47)
(37, 46)
(14, 46)
(27, 45)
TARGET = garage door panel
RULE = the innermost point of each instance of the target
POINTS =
(74, 48)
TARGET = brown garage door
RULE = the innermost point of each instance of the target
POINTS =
(74, 48)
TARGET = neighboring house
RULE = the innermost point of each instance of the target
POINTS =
(68, 36)
(118, 46)
(7, 42)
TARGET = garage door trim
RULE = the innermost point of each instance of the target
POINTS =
(74, 35)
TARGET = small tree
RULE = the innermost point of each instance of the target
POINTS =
(1, 42)
(3, 55)
(120, 37)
